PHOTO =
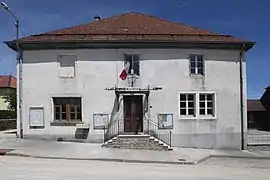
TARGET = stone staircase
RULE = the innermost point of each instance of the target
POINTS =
(143, 141)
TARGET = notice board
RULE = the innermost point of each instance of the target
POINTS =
(36, 118)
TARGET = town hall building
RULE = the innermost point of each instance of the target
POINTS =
(135, 75)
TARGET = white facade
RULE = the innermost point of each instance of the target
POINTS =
(98, 69)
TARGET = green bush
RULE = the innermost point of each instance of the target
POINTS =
(7, 114)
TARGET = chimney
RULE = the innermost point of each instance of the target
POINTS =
(96, 17)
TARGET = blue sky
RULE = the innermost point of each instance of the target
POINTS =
(248, 19)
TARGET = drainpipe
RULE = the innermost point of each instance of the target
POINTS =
(242, 98)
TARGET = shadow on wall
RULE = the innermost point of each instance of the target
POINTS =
(117, 55)
(115, 109)
(82, 133)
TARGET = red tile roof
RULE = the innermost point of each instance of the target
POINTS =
(8, 82)
(255, 105)
(133, 27)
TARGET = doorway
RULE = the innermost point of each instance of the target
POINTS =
(133, 114)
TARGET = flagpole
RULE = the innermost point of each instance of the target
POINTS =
(117, 74)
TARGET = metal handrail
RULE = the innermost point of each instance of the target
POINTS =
(113, 129)
(150, 127)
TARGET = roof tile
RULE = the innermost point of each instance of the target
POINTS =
(255, 105)
(8, 82)
(132, 26)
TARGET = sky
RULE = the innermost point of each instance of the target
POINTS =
(248, 19)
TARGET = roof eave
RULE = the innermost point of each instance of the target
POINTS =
(11, 87)
(12, 44)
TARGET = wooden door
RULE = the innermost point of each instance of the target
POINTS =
(133, 115)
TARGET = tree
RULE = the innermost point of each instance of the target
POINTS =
(11, 99)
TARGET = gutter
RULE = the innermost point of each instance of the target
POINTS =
(104, 43)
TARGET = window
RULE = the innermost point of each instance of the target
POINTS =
(134, 61)
(67, 65)
(198, 105)
(187, 104)
(206, 104)
(196, 64)
(68, 109)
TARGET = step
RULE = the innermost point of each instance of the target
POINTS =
(136, 142)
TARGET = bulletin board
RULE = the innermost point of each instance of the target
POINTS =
(100, 120)
(36, 118)
(165, 121)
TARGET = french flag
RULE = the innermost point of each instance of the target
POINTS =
(124, 73)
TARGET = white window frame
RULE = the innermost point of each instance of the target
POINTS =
(132, 54)
(186, 102)
(196, 66)
(205, 103)
(197, 105)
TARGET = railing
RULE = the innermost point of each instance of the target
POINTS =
(150, 127)
(113, 129)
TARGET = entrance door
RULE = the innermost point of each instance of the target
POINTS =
(133, 114)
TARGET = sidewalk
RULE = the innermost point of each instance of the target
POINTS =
(90, 151)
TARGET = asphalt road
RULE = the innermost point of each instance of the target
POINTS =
(12, 168)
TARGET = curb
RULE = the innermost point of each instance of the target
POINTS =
(240, 157)
(231, 156)
(106, 159)
(140, 161)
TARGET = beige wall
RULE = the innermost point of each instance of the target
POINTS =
(168, 68)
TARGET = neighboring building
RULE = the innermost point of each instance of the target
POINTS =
(259, 112)
(8, 85)
(265, 99)
(181, 78)
(256, 114)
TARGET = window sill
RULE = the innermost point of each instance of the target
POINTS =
(67, 77)
(197, 76)
(134, 75)
(186, 117)
(197, 118)
(65, 123)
